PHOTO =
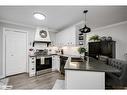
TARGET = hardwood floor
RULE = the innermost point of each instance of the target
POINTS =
(44, 81)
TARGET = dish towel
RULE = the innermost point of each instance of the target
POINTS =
(42, 60)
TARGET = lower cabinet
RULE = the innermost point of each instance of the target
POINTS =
(55, 63)
(32, 66)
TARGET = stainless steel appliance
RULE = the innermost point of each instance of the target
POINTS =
(43, 65)
(63, 60)
(43, 62)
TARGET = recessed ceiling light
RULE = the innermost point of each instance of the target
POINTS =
(39, 16)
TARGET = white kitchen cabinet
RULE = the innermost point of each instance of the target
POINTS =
(32, 66)
(55, 63)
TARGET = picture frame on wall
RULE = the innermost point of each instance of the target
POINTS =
(81, 38)
(80, 43)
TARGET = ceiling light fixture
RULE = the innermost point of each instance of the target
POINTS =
(39, 16)
(85, 29)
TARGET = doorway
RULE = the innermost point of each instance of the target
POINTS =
(15, 52)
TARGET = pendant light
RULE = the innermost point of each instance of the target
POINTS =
(85, 29)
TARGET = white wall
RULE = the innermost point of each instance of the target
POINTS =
(119, 34)
(66, 36)
(67, 39)
(71, 50)
(53, 37)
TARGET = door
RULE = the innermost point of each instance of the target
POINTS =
(15, 52)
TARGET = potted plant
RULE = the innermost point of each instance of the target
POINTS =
(82, 51)
(94, 38)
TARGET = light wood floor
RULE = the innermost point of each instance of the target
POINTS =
(44, 81)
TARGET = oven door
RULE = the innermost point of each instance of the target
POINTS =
(46, 65)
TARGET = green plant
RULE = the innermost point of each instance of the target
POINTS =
(94, 38)
(81, 50)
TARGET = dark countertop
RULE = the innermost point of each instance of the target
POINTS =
(66, 55)
(90, 65)
(32, 56)
(40, 56)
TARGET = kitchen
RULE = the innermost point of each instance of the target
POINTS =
(39, 54)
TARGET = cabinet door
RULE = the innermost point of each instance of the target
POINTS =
(94, 49)
(58, 63)
(108, 48)
(32, 67)
(53, 64)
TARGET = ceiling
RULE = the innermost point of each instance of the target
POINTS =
(60, 17)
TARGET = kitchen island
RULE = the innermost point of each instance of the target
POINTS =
(86, 74)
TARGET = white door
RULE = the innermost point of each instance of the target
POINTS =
(16, 50)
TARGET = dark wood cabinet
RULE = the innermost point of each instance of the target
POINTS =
(94, 49)
(108, 48)
(105, 48)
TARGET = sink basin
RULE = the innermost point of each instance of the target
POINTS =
(76, 60)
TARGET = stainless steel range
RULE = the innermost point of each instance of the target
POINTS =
(43, 62)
